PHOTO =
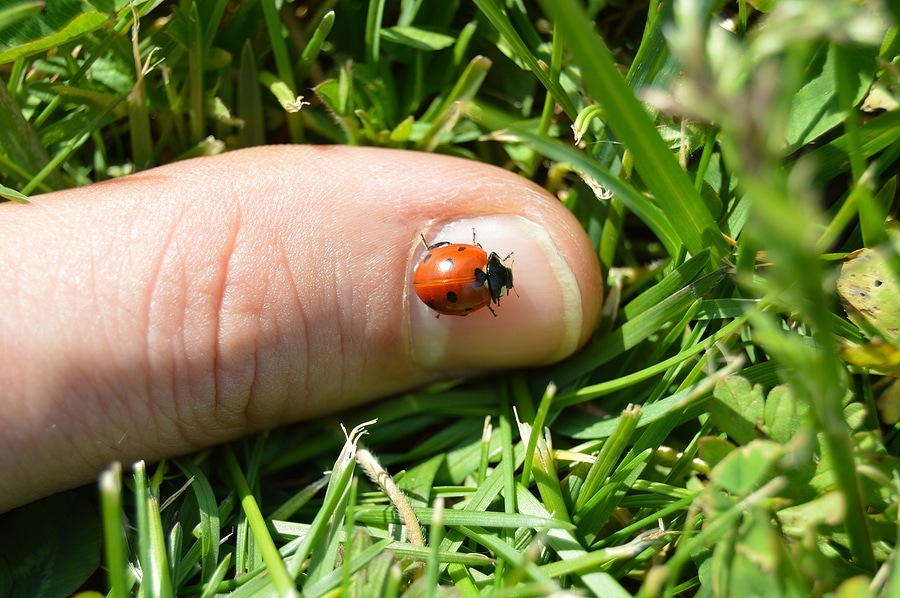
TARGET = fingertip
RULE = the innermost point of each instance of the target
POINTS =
(551, 311)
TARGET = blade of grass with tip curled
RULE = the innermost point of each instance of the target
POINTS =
(282, 63)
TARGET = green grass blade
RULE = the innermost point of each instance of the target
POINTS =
(567, 546)
(19, 141)
(612, 450)
(195, 93)
(250, 105)
(435, 536)
(114, 531)
(500, 20)
(212, 586)
(649, 213)
(679, 278)
(283, 583)
(373, 32)
(314, 47)
(649, 322)
(155, 579)
(208, 529)
(536, 430)
(658, 168)
(453, 518)
(12, 195)
(283, 64)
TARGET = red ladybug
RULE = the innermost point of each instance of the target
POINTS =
(456, 279)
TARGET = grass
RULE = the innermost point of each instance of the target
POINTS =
(730, 431)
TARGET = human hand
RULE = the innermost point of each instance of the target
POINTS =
(192, 304)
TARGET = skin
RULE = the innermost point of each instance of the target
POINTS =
(198, 302)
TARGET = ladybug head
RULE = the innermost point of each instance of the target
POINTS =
(499, 277)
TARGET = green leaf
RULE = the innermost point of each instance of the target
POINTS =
(19, 142)
(12, 194)
(784, 415)
(50, 547)
(759, 564)
(815, 107)
(11, 15)
(869, 287)
(744, 469)
(738, 408)
(713, 449)
(415, 37)
(60, 22)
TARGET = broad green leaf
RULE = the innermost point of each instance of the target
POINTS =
(880, 132)
(738, 408)
(828, 509)
(784, 414)
(760, 564)
(815, 108)
(49, 547)
(713, 449)
(869, 290)
(19, 142)
(744, 469)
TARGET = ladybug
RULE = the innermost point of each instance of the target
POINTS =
(456, 279)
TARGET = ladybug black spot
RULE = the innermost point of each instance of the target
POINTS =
(451, 297)
(427, 258)
(461, 248)
(480, 277)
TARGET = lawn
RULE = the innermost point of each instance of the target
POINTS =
(731, 430)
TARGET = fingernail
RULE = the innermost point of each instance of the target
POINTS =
(538, 322)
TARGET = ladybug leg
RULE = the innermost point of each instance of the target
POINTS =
(435, 246)
(493, 313)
